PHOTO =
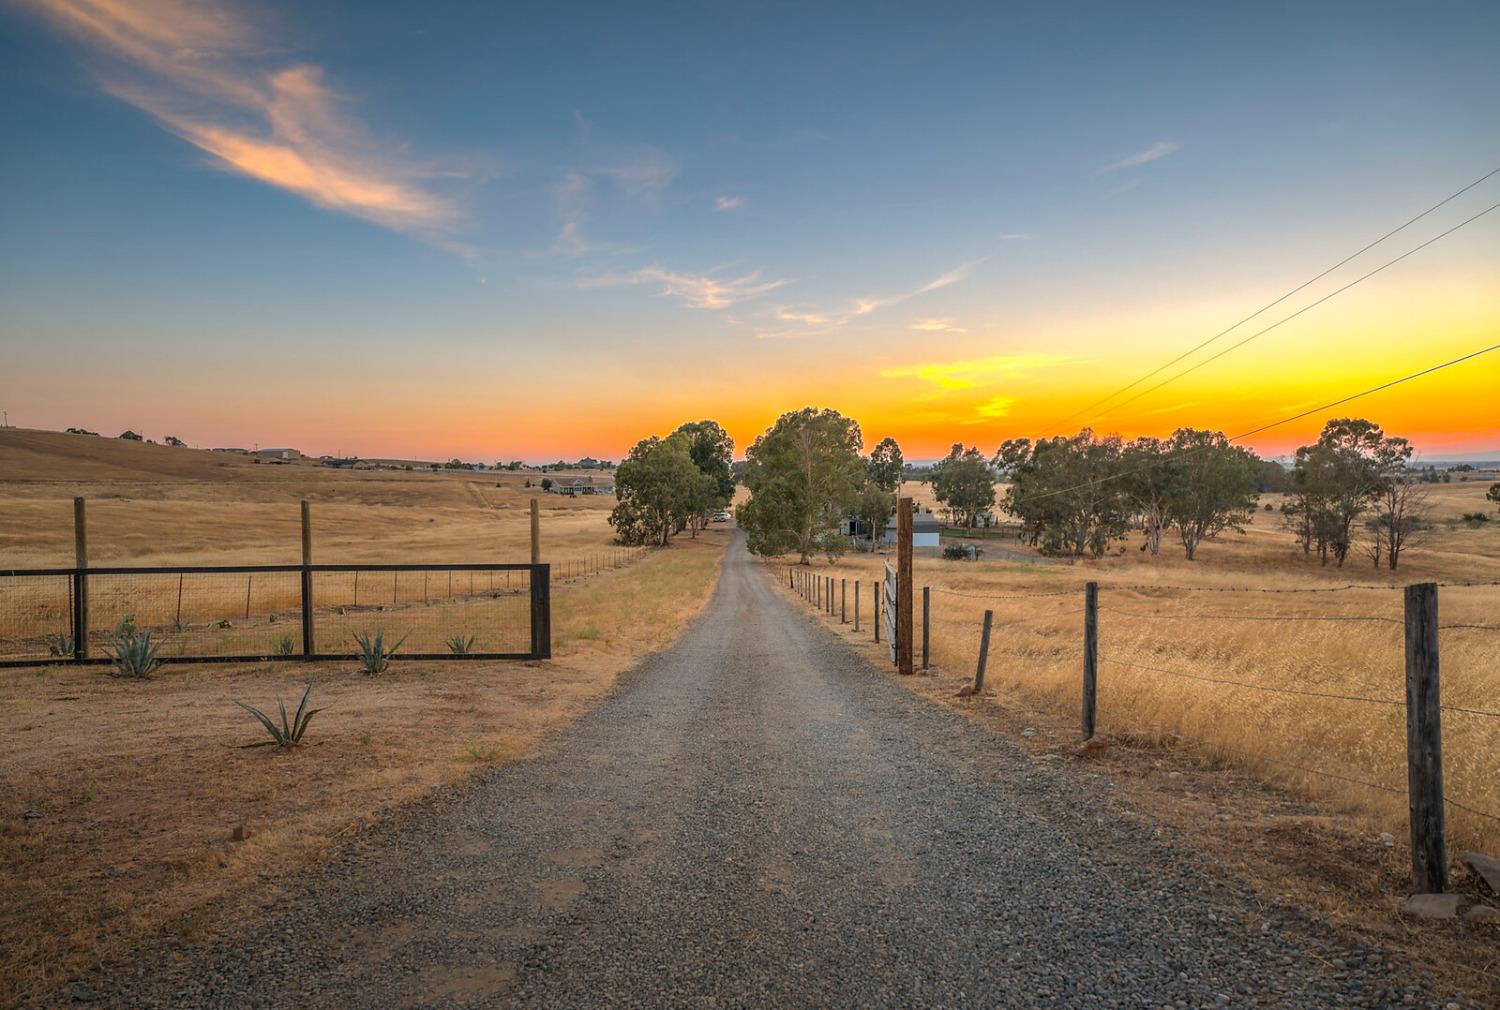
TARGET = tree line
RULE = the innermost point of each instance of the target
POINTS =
(1078, 495)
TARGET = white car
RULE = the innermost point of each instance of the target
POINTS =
(721, 517)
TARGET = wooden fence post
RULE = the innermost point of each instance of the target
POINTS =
(857, 584)
(80, 582)
(875, 609)
(926, 625)
(307, 591)
(1090, 656)
(843, 601)
(1424, 742)
(903, 587)
(984, 652)
(541, 611)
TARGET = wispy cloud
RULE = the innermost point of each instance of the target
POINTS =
(1015, 236)
(729, 203)
(202, 71)
(642, 172)
(816, 321)
(699, 291)
(1160, 149)
(937, 324)
(973, 372)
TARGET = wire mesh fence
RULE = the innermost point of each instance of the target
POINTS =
(267, 611)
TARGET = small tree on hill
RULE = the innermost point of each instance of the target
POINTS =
(1493, 494)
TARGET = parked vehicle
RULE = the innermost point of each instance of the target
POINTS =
(721, 517)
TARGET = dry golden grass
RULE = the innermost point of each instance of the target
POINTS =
(1155, 644)
(139, 786)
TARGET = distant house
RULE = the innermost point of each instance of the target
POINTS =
(581, 485)
(286, 454)
(237, 452)
(925, 529)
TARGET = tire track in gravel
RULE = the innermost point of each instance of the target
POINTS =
(757, 817)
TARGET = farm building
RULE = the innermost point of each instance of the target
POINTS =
(925, 529)
(286, 454)
(581, 485)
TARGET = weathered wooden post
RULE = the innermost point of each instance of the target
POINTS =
(875, 609)
(1090, 656)
(80, 582)
(843, 601)
(541, 610)
(984, 652)
(536, 533)
(857, 584)
(926, 625)
(307, 590)
(1424, 742)
(903, 587)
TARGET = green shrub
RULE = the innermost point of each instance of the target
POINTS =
(286, 646)
(288, 734)
(133, 653)
(461, 646)
(60, 645)
(961, 552)
(374, 656)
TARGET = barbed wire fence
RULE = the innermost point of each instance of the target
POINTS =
(1419, 705)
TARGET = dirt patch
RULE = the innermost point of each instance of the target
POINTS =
(112, 789)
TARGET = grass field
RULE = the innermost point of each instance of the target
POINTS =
(1165, 653)
(131, 808)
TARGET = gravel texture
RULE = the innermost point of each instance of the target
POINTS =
(758, 818)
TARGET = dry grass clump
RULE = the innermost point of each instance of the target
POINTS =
(1209, 670)
(119, 817)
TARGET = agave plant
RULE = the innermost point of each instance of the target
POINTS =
(288, 734)
(286, 646)
(135, 655)
(60, 645)
(374, 655)
(461, 646)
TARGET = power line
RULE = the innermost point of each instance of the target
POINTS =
(1272, 304)
(1273, 424)
(1260, 333)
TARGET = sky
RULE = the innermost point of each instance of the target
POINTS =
(546, 230)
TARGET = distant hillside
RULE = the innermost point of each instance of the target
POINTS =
(26, 454)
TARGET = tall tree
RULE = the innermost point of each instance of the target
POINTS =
(874, 509)
(804, 476)
(1209, 486)
(658, 488)
(886, 464)
(1147, 472)
(713, 453)
(965, 482)
(1065, 492)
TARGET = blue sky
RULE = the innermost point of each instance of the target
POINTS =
(691, 209)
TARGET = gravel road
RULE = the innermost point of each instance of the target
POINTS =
(758, 818)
